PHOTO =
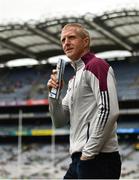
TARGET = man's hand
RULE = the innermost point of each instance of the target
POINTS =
(85, 158)
(52, 82)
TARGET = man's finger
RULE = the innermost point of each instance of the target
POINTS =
(54, 71)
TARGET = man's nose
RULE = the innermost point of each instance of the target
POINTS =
(67, 41)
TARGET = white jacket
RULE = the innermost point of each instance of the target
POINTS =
(91, 107)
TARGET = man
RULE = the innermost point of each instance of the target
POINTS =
(91, 107)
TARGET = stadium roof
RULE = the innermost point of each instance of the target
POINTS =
(110, 31)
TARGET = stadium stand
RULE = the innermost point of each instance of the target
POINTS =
(36, 121)
(25, 85)
(127, 79)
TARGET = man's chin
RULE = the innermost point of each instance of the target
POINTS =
(69, 55)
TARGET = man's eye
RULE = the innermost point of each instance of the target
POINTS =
(72, 37)
(63, 40)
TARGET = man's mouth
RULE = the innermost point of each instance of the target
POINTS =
(69, 50)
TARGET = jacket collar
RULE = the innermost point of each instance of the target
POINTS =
(87, 57)
(78, 64)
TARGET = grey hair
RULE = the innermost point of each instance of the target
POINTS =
(82, 30)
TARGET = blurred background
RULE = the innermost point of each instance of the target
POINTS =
(30, 147)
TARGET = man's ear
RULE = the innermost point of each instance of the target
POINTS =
(86, 41)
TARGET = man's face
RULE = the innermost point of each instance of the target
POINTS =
(72, 43)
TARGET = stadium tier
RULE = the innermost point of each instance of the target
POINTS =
(127, 75)
(23, 92)
(17, 85)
